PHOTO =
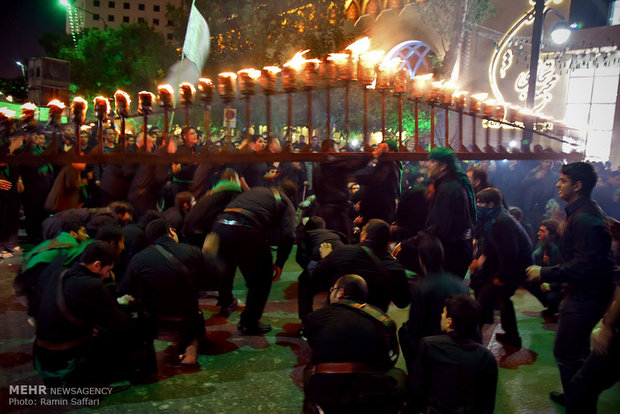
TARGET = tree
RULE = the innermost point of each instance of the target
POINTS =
(450, 18)
(131, 57)
(256, 33)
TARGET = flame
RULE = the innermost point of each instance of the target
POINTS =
(272, 69)
(338, 57)
(188, 85)
(77, 101)
(252, 73)
(29, 106)
(120, 95)
(458, 94)
(359, 46)
(204, 83)
(392, 64)
(372, 58)
(480, 96)
(297, 60)
(56, 103)
(231, 75)
(100, 100)
(166, 88)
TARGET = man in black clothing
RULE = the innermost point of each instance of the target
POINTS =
(183, 173)
(505, 252)
(166, 278)
(199, 220)
(428, 296)
(329, 182)
(586, 269)
(386, 279)
(73, 304)
(308, 256)
(354, 348)
(452, 372)
(380, 186)
(452, 210)
(243, 227)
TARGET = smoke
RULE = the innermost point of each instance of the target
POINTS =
(182, 71)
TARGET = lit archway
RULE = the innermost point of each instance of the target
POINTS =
(415, 56)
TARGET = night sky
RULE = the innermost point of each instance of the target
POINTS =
(22, 22)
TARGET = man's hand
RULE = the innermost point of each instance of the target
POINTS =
(277, 272)
(545, 287)
(5, 185)
(325, 250)
(397, 249)
(600, 342)
(211, 244)
(533, 273)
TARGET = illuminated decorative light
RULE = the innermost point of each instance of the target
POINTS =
(507, 39)
(547, 79)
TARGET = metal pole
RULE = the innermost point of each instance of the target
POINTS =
(461, 146)
(247, 115)
(289, 117)
(347, 93)
(400, 121)
(432, 126)
(383, 113)
(268, 111)
(417, 125)
(309, 112)
(528, 131)
(366, 137)
(145, 122)
(328, 129)
(447, 123)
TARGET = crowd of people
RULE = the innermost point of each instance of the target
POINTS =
(121, 254)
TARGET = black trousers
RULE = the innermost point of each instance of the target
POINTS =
(247, 249)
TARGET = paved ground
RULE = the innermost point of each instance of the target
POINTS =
(263, 374)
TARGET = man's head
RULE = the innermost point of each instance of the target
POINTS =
(441, 161)
(99, 257)
(257, 143)
(109, 136)
(314, 223)
(328, 145)
(489, 197)
(190, 137)
(516, 212)
(352, 287)
(123, 211)
(184, 201)
(273, 145)
(461, 315)
(159, 228)
(548, 231)
(75, 228)
(478, 177)
(377, 233)
(577, 180)
(315, 141)
(289, 188)
(430, 253)
(113, 235)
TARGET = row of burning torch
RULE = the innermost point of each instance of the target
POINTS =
(368, 68)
